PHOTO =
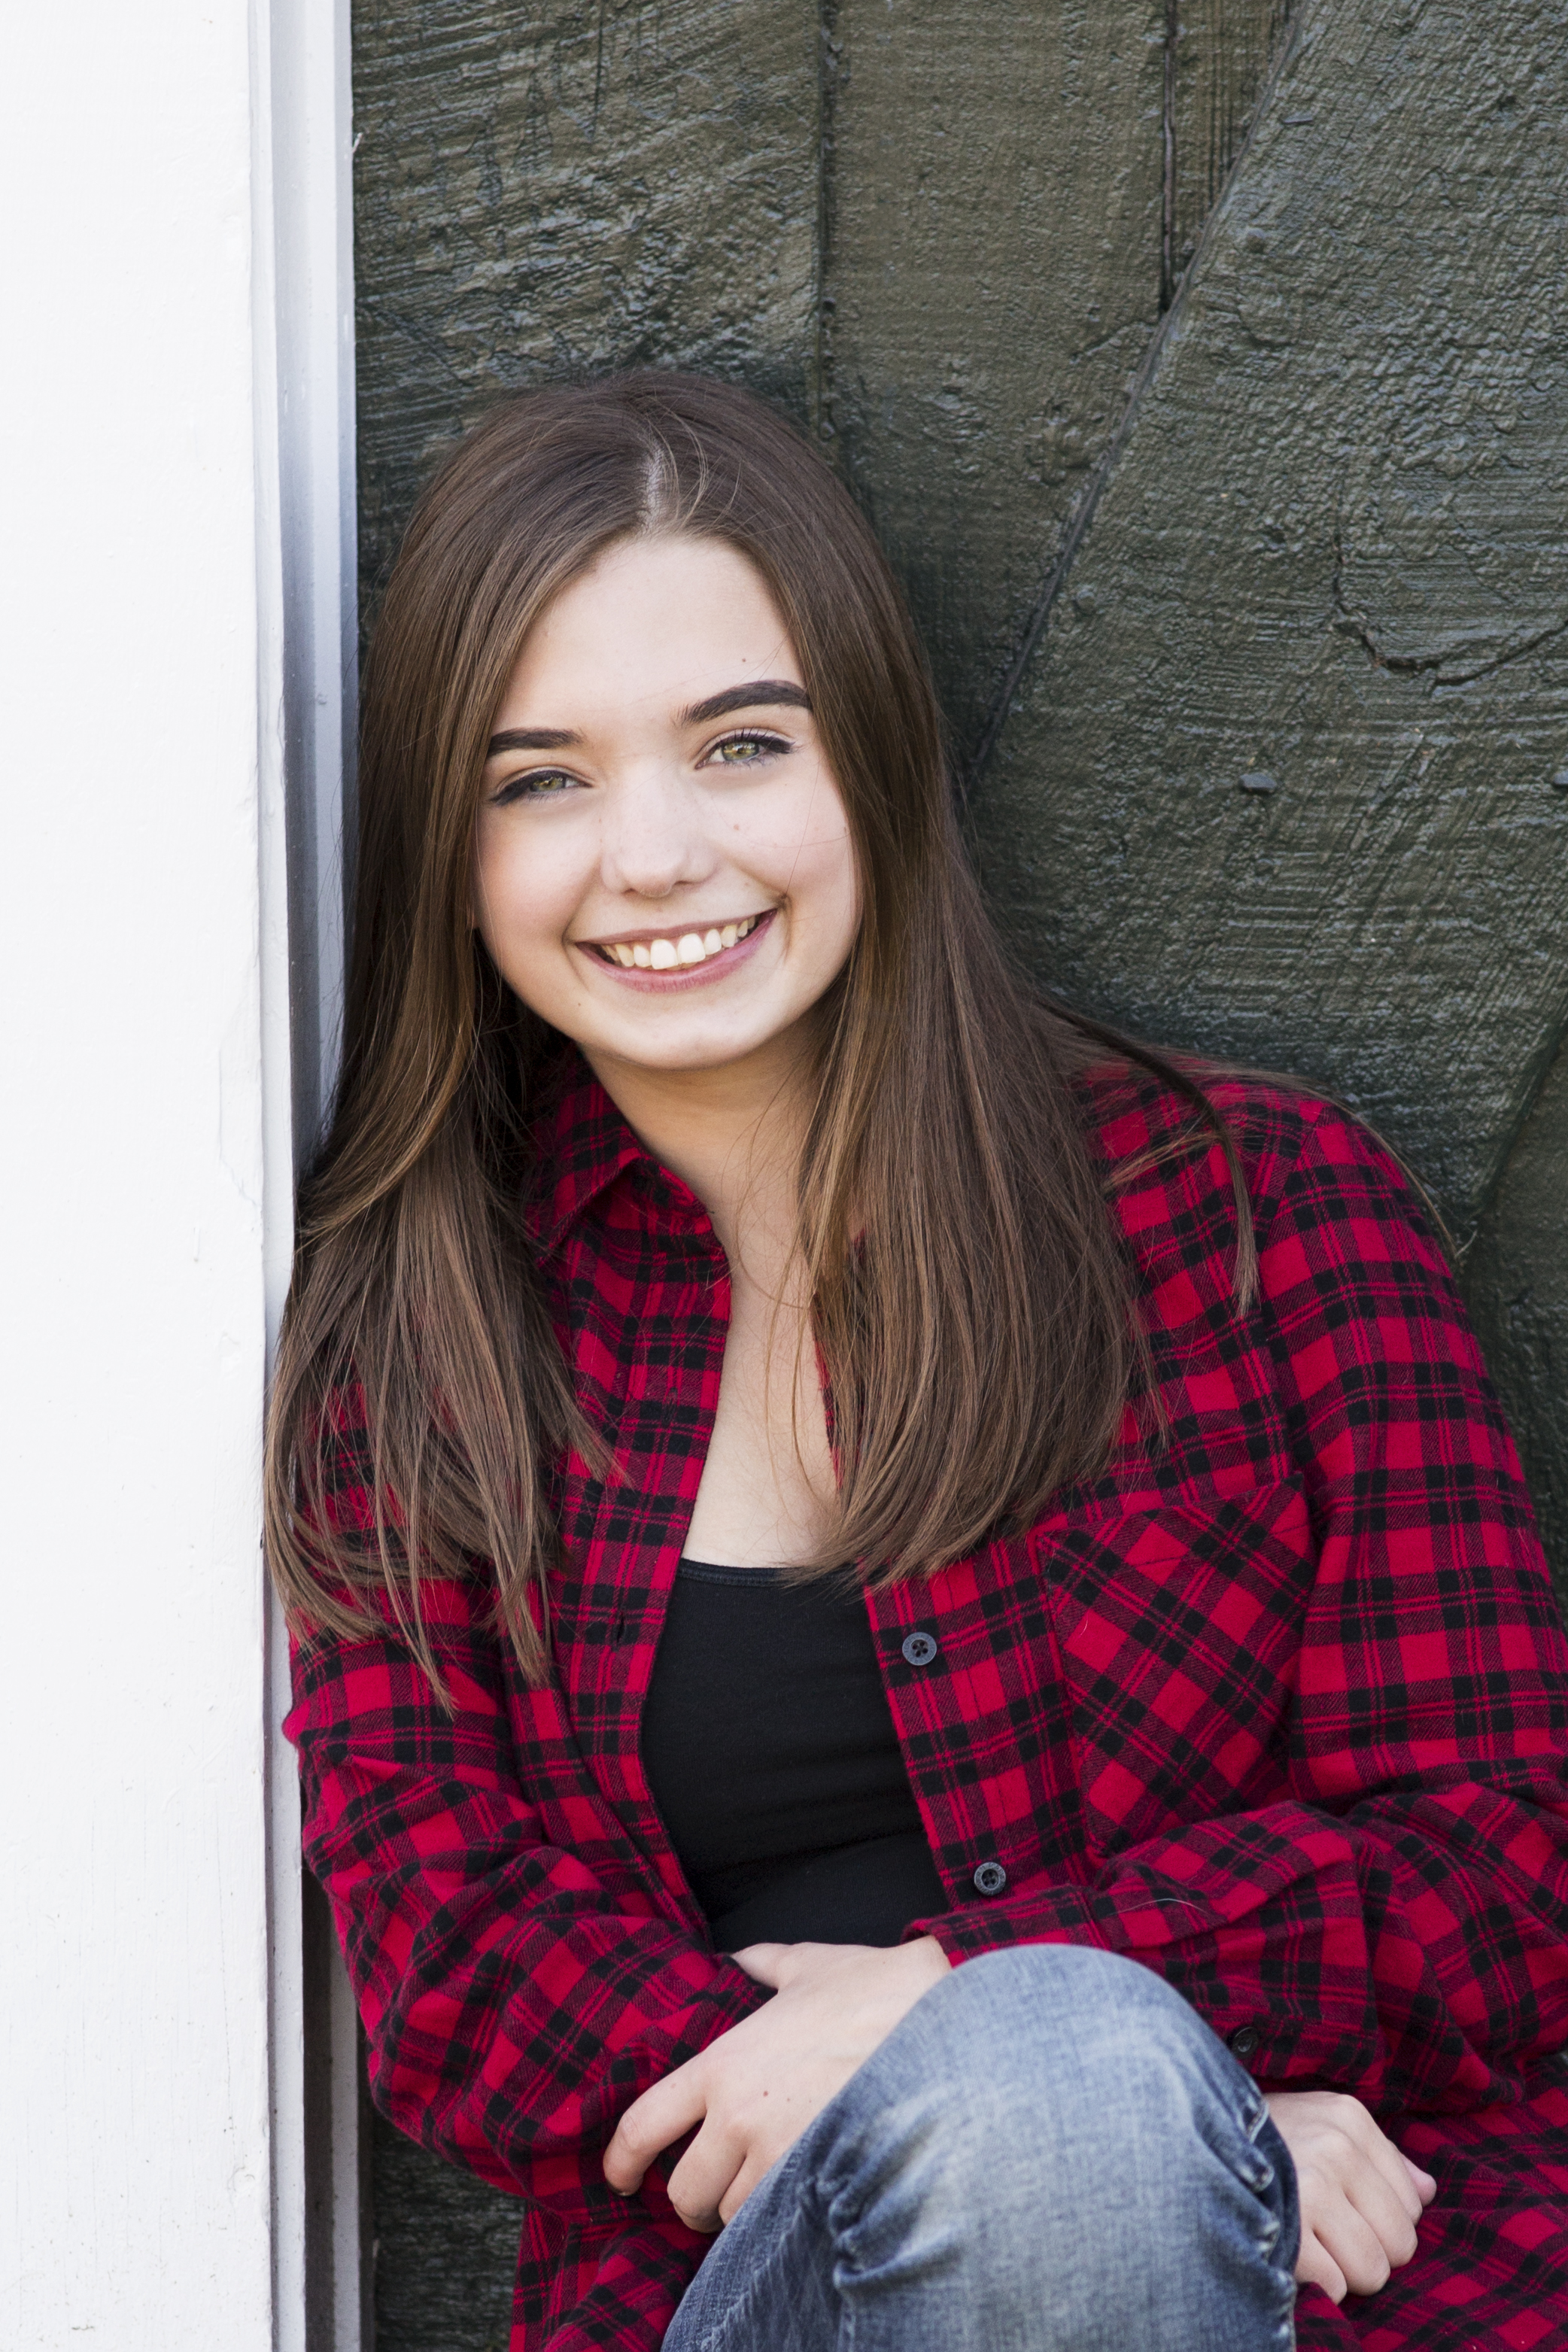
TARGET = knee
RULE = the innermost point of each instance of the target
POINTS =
(1050, 2007)
(1091, 2061)
(1057, 2130)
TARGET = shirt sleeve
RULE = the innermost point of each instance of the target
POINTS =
(1397, 1926)
(514, 2006)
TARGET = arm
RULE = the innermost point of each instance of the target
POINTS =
(513, 2003)
(1394, 1926)
(751, 2092)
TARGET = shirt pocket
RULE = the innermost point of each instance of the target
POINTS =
(1179, 1631)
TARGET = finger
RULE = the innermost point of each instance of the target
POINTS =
(1403, 2180)
(1350, 2242)
(1388, 2216)
(739, 2188)
(662, 2114)
(1369, 2173)
(1381, 2159)
(765, 1962)
(1394, 2173)
(1315, 2266)
(701, 2182)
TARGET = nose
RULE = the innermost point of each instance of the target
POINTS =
(652, 839)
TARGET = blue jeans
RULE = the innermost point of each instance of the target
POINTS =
(1051, 2153)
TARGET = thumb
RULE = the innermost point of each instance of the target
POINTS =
(1425, 2186)
(767, 1963)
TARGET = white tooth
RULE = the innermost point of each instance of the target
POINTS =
(640, 955)
(729, 935)
(625, 956)
(662, 955)
(748, 927)
(712, 942)
(688, 947)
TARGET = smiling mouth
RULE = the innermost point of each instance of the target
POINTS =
(675, 950)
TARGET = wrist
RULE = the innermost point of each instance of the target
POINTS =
(925, 1962)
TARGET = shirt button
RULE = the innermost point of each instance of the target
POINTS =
(920, 1649)
(990, 1878)
(1244, 2041)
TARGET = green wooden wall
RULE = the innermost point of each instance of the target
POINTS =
(1205, 371)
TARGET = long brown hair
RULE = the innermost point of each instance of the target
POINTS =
(967, 1289)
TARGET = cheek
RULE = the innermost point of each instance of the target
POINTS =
(797, 843)
(823, 879)
(525, 894)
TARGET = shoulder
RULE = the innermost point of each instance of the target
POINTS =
(1129, 1112)
(1322, 1189)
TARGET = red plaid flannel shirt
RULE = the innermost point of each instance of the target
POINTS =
(1278, 1706)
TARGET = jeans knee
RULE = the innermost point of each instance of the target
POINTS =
(1050, 2149)
(1091, 2061)
(1038, 2002)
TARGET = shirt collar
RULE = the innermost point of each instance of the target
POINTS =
(583, 1147)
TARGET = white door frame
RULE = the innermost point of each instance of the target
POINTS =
(176, 669)
(305, 190)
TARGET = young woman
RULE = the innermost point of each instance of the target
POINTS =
(919, 1642)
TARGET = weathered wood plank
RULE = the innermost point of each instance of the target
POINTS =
(994, 272)
(445, 2251)
(1516, 1278)
(1333, 551)
(1222, 53)
(540, 189)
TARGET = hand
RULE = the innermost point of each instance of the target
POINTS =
(755, 2090)
(1361, 2199)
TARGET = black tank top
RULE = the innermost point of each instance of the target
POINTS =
(771, 1756)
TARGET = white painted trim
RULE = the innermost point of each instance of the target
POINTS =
(312, 148)
(305, 343)
(177, 596)
(286, 2016)
(285, 2001)
(139, 930)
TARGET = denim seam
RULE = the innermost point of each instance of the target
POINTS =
(714, 2338)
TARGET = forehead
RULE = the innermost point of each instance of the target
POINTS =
(663, 621)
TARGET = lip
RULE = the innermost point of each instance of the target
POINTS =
(681, 976)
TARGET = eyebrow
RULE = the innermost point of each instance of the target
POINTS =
(760, 694)
(531, 738)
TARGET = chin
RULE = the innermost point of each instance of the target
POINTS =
(704, 1047)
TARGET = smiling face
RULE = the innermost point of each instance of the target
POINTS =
(663, 866)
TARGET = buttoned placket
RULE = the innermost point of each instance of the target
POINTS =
(669, 1212)
(665, 1210)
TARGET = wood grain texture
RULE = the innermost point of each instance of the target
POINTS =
(1331, 551)
(1516, 1278)
(993, 278)
(1332, 554)
(542, 190)
(1223, 49)
(445, 2251)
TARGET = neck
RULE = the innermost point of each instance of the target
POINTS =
(733, 1134)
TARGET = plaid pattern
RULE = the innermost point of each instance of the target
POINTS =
(1278, 1706)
